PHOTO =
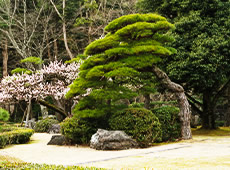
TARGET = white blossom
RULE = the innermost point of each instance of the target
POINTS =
(51, 80)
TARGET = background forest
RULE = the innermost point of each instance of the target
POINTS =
(43, 34)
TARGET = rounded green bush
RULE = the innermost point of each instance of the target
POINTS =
(4, 115)
(44, 125)
(78, 130)
(170, 122)
(141, 124)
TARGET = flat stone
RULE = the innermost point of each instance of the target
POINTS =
(57, 140)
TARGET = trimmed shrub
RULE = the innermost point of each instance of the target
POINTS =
(4, 115)
(18, 136)
(141, 124)
(170, 122)
(78, 130)
(44, 125)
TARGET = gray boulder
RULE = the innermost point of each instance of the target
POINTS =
(54, 128)
(57, 140)
(112, 140)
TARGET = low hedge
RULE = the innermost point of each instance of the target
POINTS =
(17, 136)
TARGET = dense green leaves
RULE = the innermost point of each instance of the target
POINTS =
(4, 115)
(119, 65)
(139, 123)
(202, 35)
(131, 19)
(35, 60)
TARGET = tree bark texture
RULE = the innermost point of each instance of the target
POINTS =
(227, 114)
(147, 101)
(5, 58)
(65, 41)
(28, 112)
(44, 103)
(185, 112)
(55, 49)
(208, 116)
(24, 115)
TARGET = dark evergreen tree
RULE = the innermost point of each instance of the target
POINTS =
(202, 63)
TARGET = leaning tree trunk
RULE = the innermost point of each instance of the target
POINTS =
(185, 112)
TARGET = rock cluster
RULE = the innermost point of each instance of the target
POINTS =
(112, 140)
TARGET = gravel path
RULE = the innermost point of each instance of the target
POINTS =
(201, 153)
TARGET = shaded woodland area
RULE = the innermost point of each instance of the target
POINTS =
(62, 30)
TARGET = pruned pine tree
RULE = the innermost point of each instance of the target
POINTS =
(122, 61)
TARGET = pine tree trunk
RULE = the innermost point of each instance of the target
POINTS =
(185, 112)
(5, 58)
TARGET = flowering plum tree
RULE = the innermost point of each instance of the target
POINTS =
(52, 80)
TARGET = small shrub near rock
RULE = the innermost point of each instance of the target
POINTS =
(4, 115)
(78, 130)
(170, 122)
(44, 125)
(141, 124)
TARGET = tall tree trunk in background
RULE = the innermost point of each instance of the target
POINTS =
(227, 114)
(28, 113)
(48, 50)
(5, 58)
(24, 115)
(62, 16)
(55, 49)
(147, 101)
(208, 116)
(185, 112)
(65, 41)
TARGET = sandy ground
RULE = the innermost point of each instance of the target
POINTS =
(199, 153)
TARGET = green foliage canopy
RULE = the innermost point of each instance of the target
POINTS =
(202, 36)
(119, 65)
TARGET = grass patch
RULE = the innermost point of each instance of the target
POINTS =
(221, 131)
(8, 163)
(27, 166)
(5, 158)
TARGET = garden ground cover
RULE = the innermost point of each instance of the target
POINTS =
(207, 150)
